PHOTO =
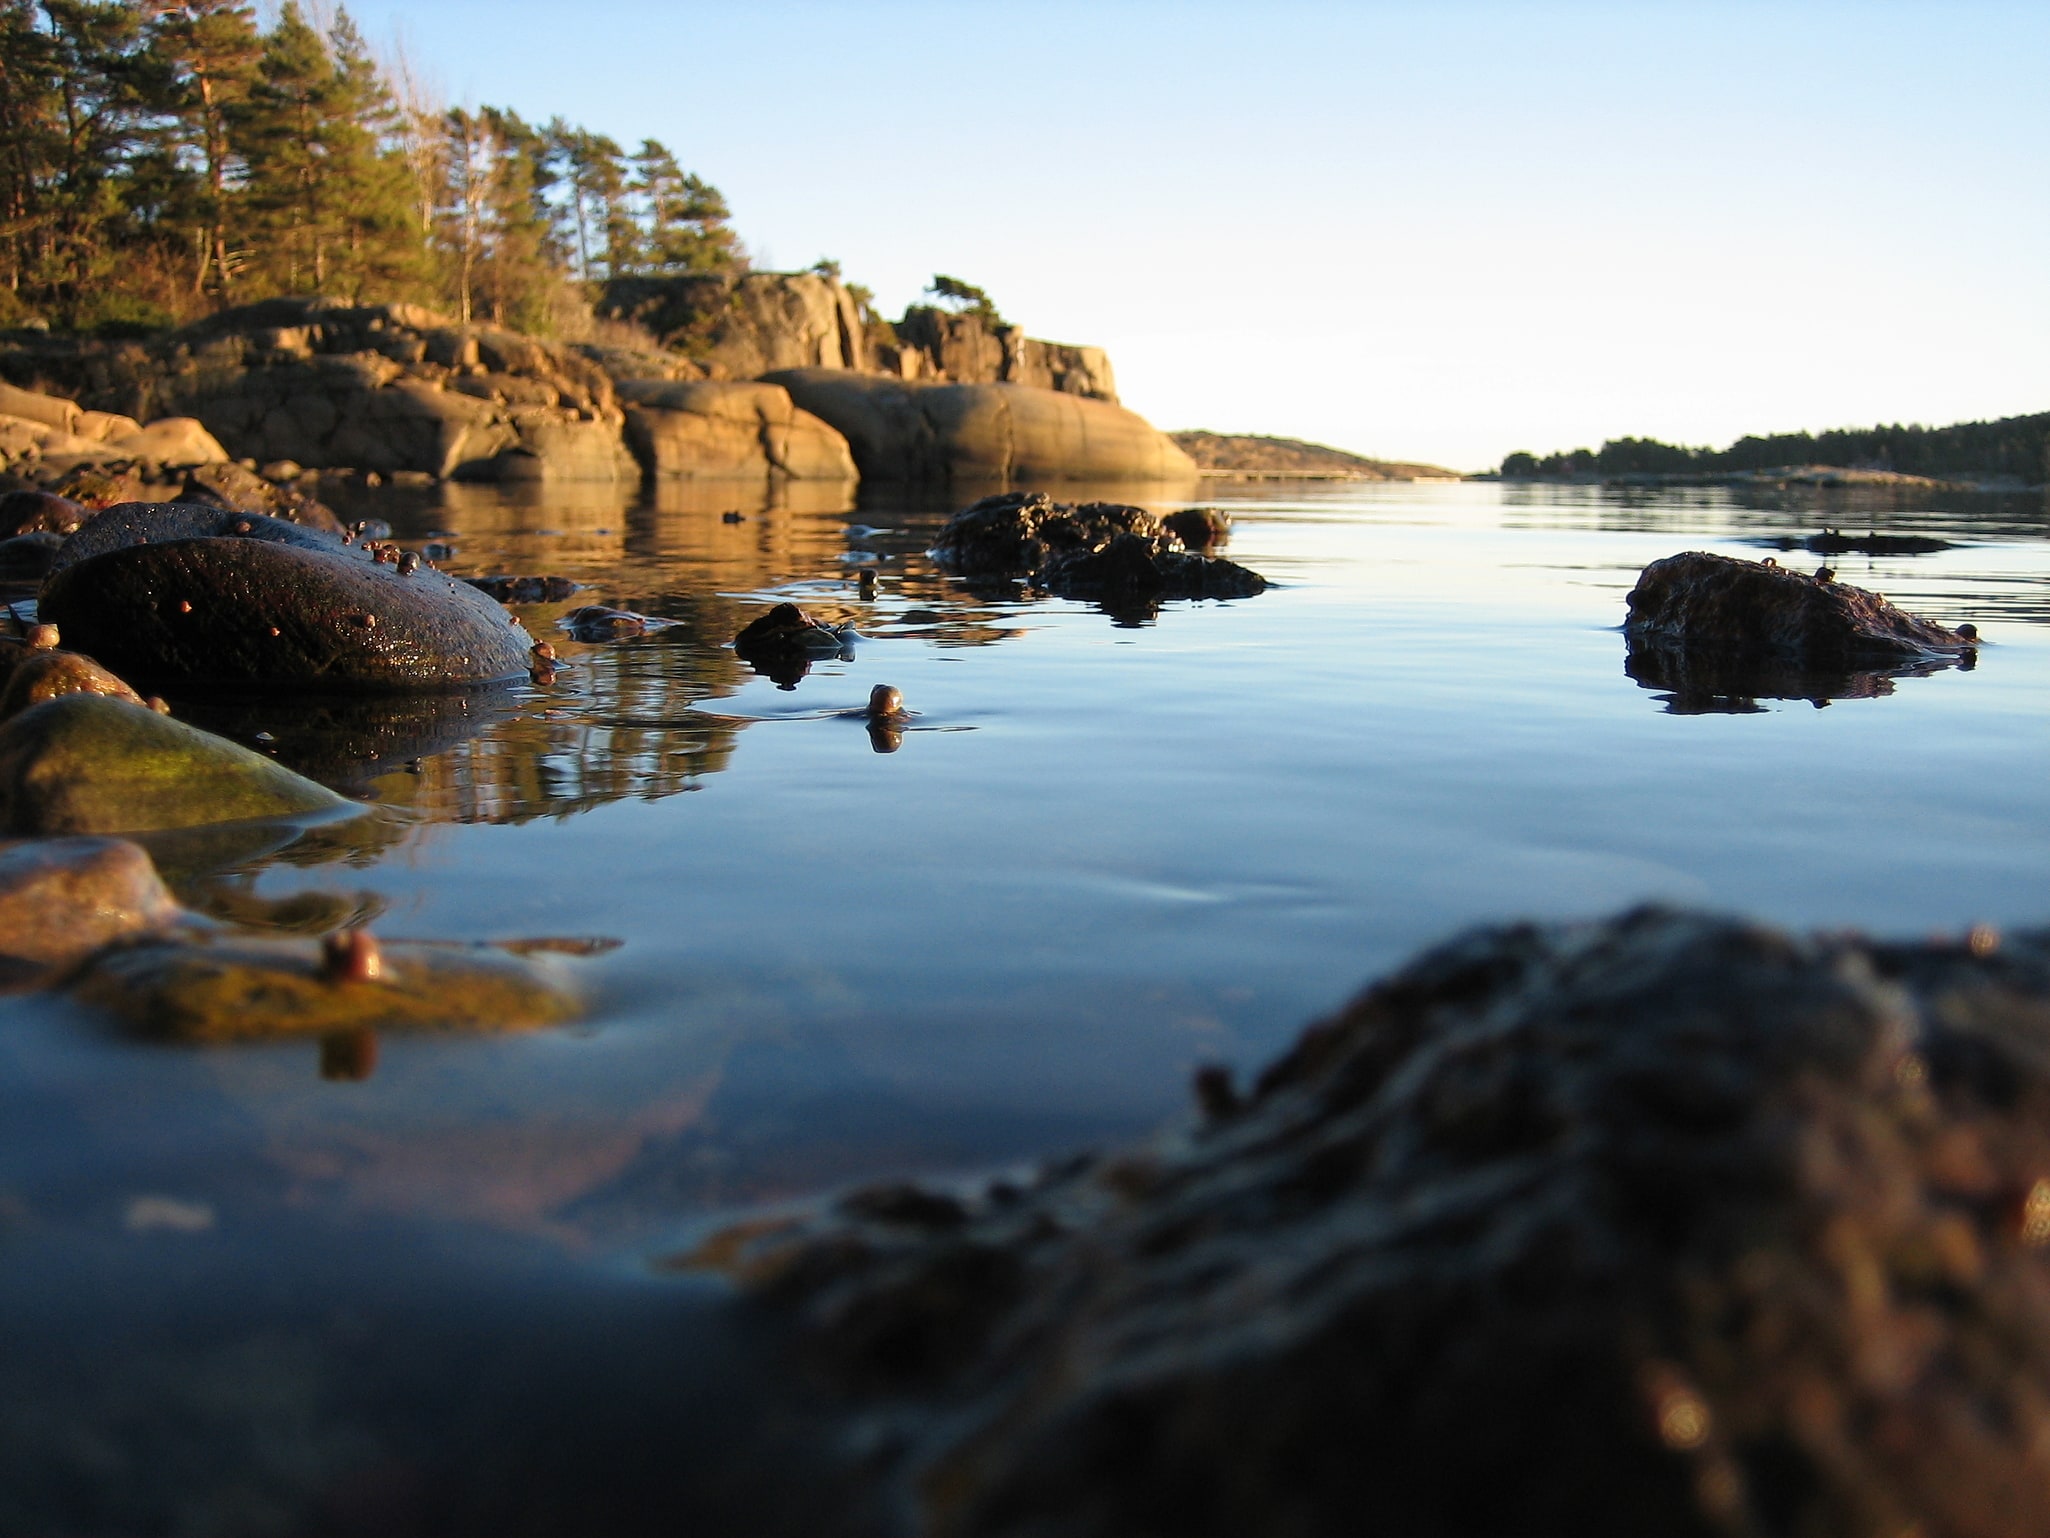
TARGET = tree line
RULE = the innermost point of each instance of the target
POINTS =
(161, 159)
(2016, 446)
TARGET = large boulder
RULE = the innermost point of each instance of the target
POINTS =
(713, 429)
(208, 600)
(84, 763)
(903, 431)
(740, 325)
(1751, 610)
(1666, 1224)
(967, 348)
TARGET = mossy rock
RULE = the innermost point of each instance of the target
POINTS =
(256, 990)
(84, 763)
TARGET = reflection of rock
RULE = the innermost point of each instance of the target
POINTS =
(1137, 571)
(235, 990)
(1748, 609)
(256, 609)
(904, 432)
(84, 763)
(347, 742)
(1833, 542)
(1702, 682)
(61, 899)
(1665, 1224)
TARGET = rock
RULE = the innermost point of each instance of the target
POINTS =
(178, 441)
(550, 449)
(106, 426)
(1137, 570)
(740, 325)
(222, 990)
(61, 899)
(965, 348)
(724, 430)
(905, 432)
(27, 557)
(782, 644)
(266, 605)
(84, 763)
(45, 410)
(47, 673)
(244, 491)
(526, 589)
(595, 622)
(1663, 1224)
(1015, 533)
(1748, 609)
(39, 512)
(1199, 528)
(97, 486)
(280, 470)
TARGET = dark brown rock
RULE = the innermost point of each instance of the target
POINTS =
(1199, 528)
(596, 622)
(1666, 1224)
(1746, 608)
(1136, 570)
(40, 512)
(228, 485)
(1017, 532)
(506, 589)
(263, 605)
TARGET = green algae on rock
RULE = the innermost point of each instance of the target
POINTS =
(83, 763)
(61, 899)
(252, 990)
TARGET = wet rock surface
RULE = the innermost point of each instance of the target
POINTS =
(1664, 1224)
(1015, 533)
(28, 557)
(39, 512)
(210, 599)
(597, 622)
(1749, 609)
(783, 643)
(506, 589)
(61, 899)
(85, 763)
(47, 673)
(220, 990)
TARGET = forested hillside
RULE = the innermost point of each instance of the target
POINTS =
(2012, 446)
(159, 161)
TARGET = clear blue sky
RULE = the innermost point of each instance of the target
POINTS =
(1435, 231)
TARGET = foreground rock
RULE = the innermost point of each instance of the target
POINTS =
(935, 433)
(85, 763)
(61, 899)
(202, 598)
(1749, 609)
(1666, 1224)
(220, 990)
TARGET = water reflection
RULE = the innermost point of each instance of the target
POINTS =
(1699, 684)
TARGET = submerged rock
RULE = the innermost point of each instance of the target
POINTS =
(85, 763)
(61, 899)
(1665, 1224)
(525, 589)
(219, 990)
(595, 622)
(1747, 608)
(212, 600)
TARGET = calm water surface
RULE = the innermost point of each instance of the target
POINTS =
(1105, 853)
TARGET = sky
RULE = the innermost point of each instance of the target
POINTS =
(1436, 232)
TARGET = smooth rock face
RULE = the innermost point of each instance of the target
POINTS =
(84, 763)
(901, 431)
(61, 899)
(266, 605)
(246, 990)
(707, 429)
(1666, 1224)
(1715, 602)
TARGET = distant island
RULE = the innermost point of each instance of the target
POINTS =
(1249, 455)
(2011, 453)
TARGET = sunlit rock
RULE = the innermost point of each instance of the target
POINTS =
(85, 763)
(61, 899)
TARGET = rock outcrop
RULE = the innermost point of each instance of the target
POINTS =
(719, 430)
(1751, 610)
(743, 325)
(1665, 1224)
(965, 348)
(900, 431)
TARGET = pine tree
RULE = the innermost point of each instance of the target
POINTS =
(686, 217)
(210, 50)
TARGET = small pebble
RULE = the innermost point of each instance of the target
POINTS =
(42, 637)
(884, 702)
(351, 956)
(1968, 632)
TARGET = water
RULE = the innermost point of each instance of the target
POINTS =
(1104, 854)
